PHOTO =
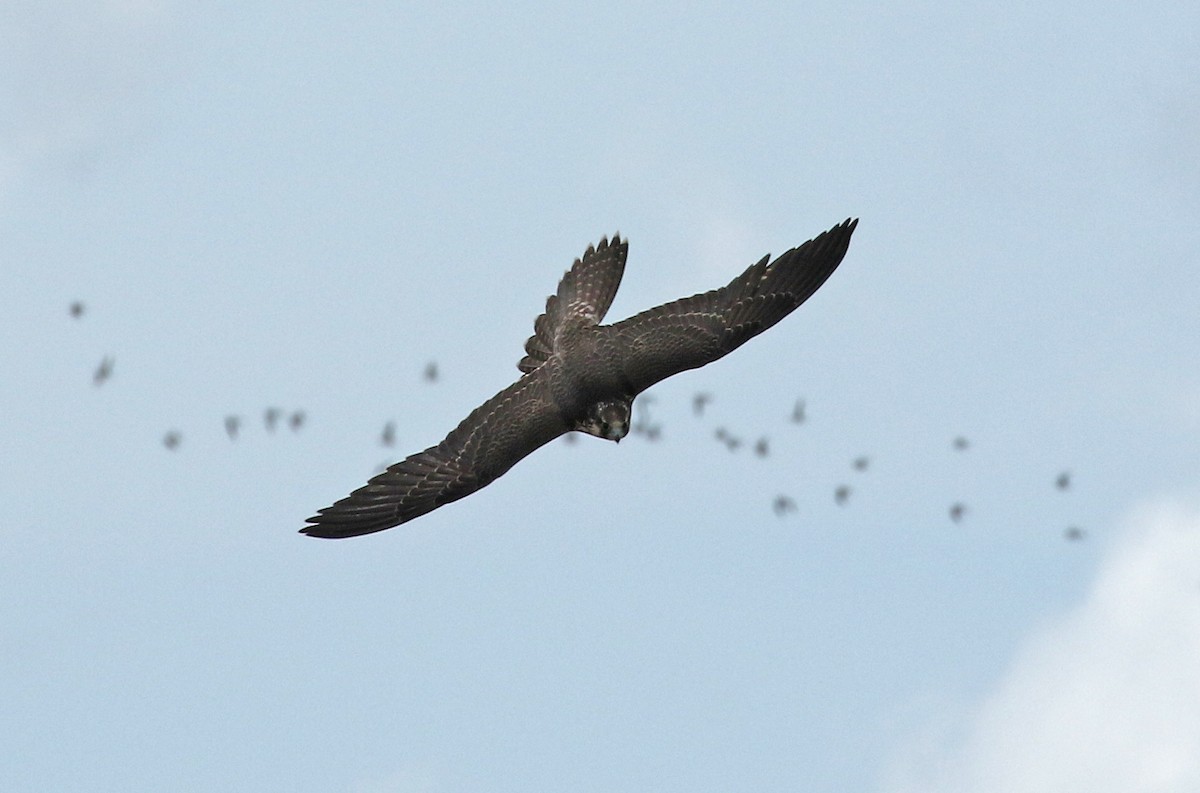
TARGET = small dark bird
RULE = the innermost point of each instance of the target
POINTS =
(1074, 533)
(232, 425)
(579, 375)
(431, 372)
(296, 420)
(957, 511)
(798, 412)
(103, 371)
(172, 440)
(726, 438)
(861, 463)
(388, 436)
(842, 495)
(642, 425)
(961, 444)
(783, 505)
(700, 401)
(1063, 482)
(271, 418)
(731, 443)
(77, 308)
(650, 432)
(642, 406)
(762, 447)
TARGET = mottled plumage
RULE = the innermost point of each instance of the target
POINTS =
(582, 376)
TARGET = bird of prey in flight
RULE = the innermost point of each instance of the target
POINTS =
(579, 375)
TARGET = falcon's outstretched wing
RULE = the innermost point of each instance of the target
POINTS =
(691, 332)
(487, 443)
(584, 295)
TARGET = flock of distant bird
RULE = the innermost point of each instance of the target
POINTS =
(642, 426)
(784, 504)
(273, 417)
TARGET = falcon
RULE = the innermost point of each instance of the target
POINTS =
(581, 376)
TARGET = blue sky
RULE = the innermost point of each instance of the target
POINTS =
(301, 205)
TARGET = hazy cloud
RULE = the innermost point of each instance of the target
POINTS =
(1104, 699)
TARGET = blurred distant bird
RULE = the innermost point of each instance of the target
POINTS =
(296, 421)
(957, 511)
(700, 401)
(581, 376)
(1063, 482)
(77, 308)
(961, 444)
(650, 432)
(731, 443)
(232, 425)
(1074, 533)
(798, 412)
(762, 447)
(861, 463)
(388, 436)
(842, 495)
(271, 418)
(783, 505)
(103, 371)
(642, 425)
(172, 439)
(431, 372)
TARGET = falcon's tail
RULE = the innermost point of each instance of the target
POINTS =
(584, 295)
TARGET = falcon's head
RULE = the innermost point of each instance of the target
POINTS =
(608, 420)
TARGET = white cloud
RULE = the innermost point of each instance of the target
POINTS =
(1106, 699)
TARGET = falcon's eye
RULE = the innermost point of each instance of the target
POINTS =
(604, 428)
